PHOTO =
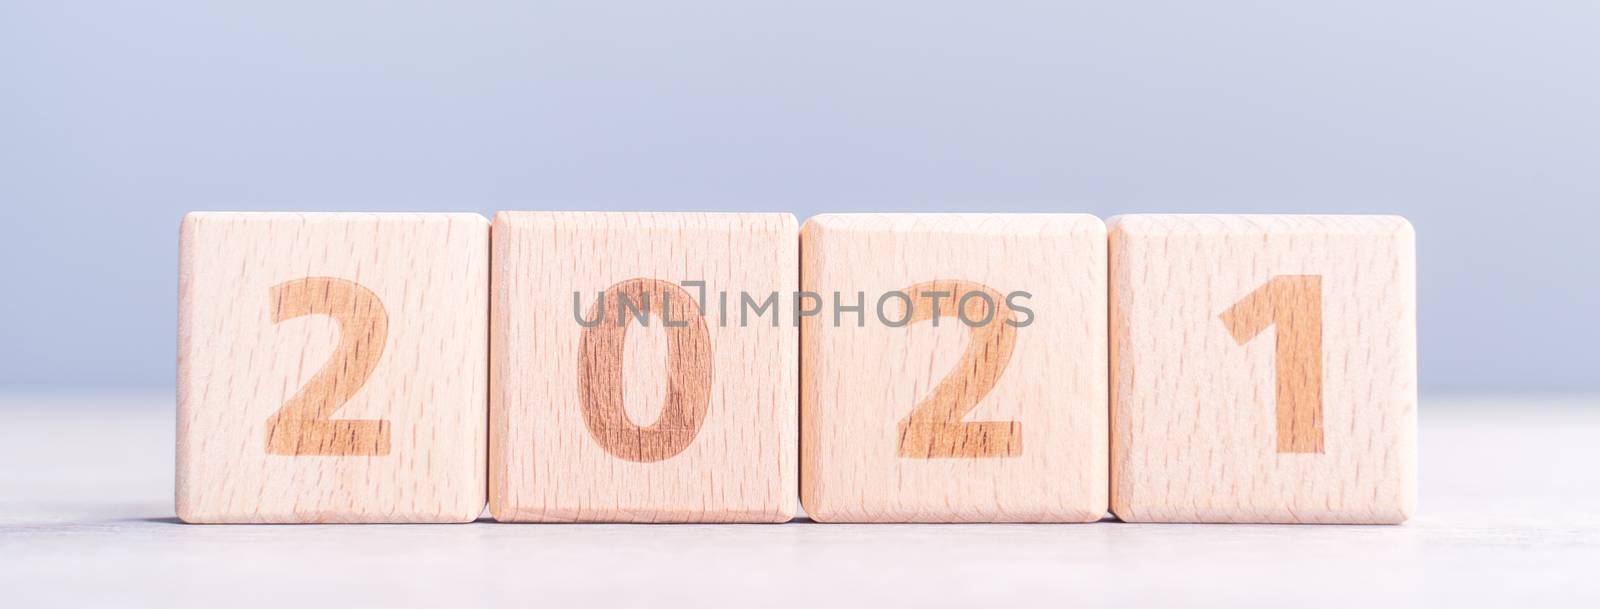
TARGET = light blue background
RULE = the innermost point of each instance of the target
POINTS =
(1479, 120)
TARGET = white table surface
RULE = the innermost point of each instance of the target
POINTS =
(1509, 516)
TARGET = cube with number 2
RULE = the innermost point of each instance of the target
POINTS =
(956, 371)
(332, 367)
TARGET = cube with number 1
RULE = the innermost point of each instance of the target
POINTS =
(1264, 369)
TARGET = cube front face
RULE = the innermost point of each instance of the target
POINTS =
(1001, 419)
(332, 367)
(613, 398)
(1264, 369)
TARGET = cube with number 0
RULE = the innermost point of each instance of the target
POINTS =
(1263, 368)
(643, 367)
(956, 371)
(332, 367)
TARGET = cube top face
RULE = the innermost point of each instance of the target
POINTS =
(1001, 419)
(332, 367)
(1263, 368)
(649, 411)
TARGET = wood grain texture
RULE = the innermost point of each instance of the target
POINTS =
(1263, 369)
(332, 367)
(693, 421)
(1012, 423)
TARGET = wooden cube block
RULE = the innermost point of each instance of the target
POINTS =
(1264, 369)
(332, 367)
(630, 380)
(970, 385)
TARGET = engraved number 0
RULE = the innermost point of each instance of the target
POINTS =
(1292, 303)
(688, 372)
(934, 428)
(303, 425)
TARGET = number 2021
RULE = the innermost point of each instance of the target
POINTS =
(932, 429)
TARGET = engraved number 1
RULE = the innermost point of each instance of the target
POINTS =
(1293, 304)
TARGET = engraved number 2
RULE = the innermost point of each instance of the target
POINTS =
(303, 426)
(934, 428)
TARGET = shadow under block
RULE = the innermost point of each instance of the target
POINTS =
(1263, 369)
(645, 410)
(332, 367)
(997, 416)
